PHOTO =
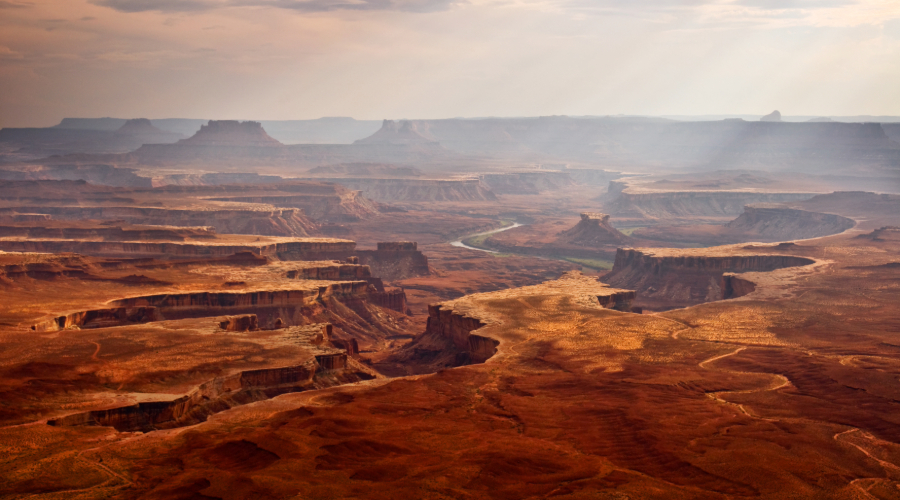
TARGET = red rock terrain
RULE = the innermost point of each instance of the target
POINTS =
(369, 358)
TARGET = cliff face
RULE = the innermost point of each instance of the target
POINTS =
(291, 306)
(342, 206)
(324, 362)
(276, 222)
(36, 230)
(395, 260)
(734, 286)
(458, 328)
(667, 281)
(665, 205)
(527, 182)
(289, 250)
(335, 272)
(418, 190)
(781, 224)
(323, 370)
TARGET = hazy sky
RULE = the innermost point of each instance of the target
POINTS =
(373, 59)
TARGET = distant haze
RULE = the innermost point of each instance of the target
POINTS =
(373, 59)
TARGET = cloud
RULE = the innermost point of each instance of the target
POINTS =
(6, 54)
(296, 5)
(794, 4)
(14, 5)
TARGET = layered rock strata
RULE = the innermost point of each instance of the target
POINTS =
(667, 278)
(289, 305)
(419, 190)
(675, 204)
(264, 222)
(780, 224)
(298, 249)
(326, 366)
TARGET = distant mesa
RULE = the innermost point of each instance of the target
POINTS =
(400, 133)
(821, 119)
(230, 133)
(593, 230)
(774, 116)
(140, 126)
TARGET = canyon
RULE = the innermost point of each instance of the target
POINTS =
(597, 307)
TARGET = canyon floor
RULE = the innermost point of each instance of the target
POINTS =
(296, 339)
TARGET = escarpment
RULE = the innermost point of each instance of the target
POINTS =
(257, 221)
(689, 204)
(324, 366)
(288, 305)
(287, 249)
(780, 224)
(765, 223)
(733, 286)
(668, 278)
(458, 328)
(419, 190)
(395, 260)
(527, 182)
(339, 206)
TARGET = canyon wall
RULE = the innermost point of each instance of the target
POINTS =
(458, 328)
(395, 260)
(36, 230)
(275, 222)
(221, 394)
(346, 206)
(675, 204)
(527, 182)
(665, 279)
(292, 250)
(419, 190)
(783, 224)
(291, 306)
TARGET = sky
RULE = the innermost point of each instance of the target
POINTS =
(375, 59)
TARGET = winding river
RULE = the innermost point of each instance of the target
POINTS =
(459, 242)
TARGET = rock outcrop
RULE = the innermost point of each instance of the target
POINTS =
(300, 249)
(692, 204)
(326, 365)
(243, 323)
(292, 306)
(774, 116)
(781, 224)
(458, 329)
(273, 222)
(419, 190)
(593, 230)
(230, 133)
(668, 278)
(527, 182)
(340, 206)
(764, 223)
(396, 133)
(395, 260)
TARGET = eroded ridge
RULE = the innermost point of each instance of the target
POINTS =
(469, 330)
(288, 304)
(322, 365)
(667, 278)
